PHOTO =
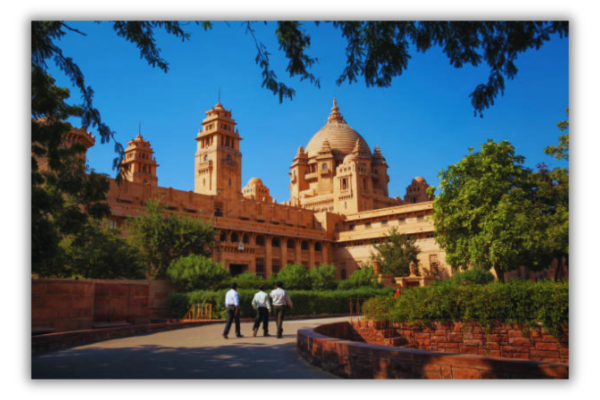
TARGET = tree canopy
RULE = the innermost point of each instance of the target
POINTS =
(396, 253)
(493, 212)
(163, 237)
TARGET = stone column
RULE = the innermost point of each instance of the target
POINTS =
(268, 255)
(284, 249)
(298, 251)
(325, 249)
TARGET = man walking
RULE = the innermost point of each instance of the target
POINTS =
(281, 300)
(262, 305)
(232, 303)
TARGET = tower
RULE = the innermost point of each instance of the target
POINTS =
(218, 158)
(298, 170)
(139, 165)
(380, 175)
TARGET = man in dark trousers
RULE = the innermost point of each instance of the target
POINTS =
(232, 303)
(262, 305)
(281, 300)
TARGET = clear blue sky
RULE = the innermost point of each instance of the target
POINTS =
(422, 123)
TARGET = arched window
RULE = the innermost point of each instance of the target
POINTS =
(260, 240)
(206, 157)
(235, 238)
(304, 245)
(246, 239)
(324, 166)
(228, 158)
(290, 244)
(222, 237)
(276, 243)
(318, 246)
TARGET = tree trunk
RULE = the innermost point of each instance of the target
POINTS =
(499, 274)
(558, 269)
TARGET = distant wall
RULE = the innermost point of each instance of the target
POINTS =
(59, 305)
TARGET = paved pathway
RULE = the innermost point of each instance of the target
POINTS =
(189, 353)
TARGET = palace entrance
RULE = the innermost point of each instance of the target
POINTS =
(236, 269)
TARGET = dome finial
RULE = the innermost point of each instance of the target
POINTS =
(335, 115)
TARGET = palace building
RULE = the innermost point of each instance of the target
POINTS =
(339, 204)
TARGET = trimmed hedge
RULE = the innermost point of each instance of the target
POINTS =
(523, 303)
(306, 302)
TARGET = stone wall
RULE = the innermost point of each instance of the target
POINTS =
(324, 347)
(59, 305)
(121, 301)
(509, 341)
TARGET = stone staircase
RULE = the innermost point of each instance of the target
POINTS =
(379, 332)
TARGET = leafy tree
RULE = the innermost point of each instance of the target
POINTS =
(378, 51)
(494, 213)
(323, 277)
(294, 276)
(248, 280)
(361, 278)
(96, 252)
(554, 193)
(163, 237)
(477, 276)
(396, 253)
(196, 272)
(65, 200)
(63, 195)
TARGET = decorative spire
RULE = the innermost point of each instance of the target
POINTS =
(301, 155)
(335, 115)
(377, 156)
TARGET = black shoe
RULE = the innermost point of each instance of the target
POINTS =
(240, 335)
(279, 337)
(255, 332)
(225, 336)
(267, 335)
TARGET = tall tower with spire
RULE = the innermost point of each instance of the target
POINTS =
(218, 169)
(139, 164)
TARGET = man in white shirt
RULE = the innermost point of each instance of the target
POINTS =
(281, 300)
(232, 303)
(262, 305)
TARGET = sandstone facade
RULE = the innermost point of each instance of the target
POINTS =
(339, 203)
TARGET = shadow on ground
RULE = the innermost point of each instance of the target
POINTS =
(244, 360)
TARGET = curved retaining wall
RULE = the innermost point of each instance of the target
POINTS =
(327, 348)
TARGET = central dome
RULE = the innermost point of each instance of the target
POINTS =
(341, 137)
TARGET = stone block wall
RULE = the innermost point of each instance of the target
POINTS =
(121, 301)
(61, 305)
(326, 348)
(509, 341)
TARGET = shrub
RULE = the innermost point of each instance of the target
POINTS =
(521, 303)
(248, 280)
(364, 277)
(477, 276)
(306, 302)
(295, 276)
(197, 272)
(323, 277)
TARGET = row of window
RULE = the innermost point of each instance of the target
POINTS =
(275, 242)
(385, 222)
(369, 242)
